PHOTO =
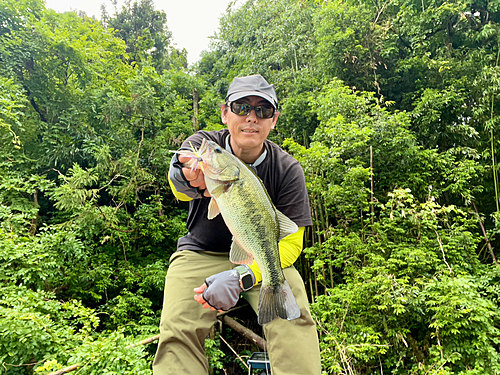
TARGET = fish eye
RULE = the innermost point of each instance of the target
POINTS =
(218, 150)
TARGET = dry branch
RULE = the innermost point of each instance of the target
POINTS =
(144, 342)
(65, 370)
(249, 334)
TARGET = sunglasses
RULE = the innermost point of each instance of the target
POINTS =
(244, 109)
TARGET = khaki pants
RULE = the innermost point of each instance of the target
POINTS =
(292, 345)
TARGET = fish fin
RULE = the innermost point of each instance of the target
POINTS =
(238, 255)
(213, 209)
(218, 191)
(286, 226)
(277, 302)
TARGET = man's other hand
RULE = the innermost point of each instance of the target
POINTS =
(220, 291)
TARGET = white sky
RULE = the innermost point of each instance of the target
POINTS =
(190, 21)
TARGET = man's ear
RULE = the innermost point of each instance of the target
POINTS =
(275, 120)
(223, 114)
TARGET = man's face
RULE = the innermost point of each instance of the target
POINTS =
(248, 132)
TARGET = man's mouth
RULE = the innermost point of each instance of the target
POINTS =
(249, 131)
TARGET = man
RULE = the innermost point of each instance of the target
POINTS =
(202, 264)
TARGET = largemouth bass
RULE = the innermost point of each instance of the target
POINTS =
(257, 226)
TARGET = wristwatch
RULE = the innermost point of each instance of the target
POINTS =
(246, 278)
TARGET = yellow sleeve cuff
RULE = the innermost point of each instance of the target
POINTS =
(290, 249)
(179, 196)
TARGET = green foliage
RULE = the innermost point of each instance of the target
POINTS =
(110, 355)
(35, 326)
(411, 291)
(214, 354)
(376, 254)
(12, 101)
(344, 43)
(114, 354)
(146, 34)
(95, 232)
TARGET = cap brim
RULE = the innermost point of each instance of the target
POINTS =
(243, 94)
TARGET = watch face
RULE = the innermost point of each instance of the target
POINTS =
(247, 282)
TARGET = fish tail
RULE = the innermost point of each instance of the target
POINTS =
(277, 301)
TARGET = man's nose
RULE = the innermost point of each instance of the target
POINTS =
(252, 116)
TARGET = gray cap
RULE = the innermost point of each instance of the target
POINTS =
(249, 86)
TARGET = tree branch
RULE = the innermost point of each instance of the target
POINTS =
(249, 334)
(486, 239)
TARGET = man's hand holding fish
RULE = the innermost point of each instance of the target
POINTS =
(195, 177)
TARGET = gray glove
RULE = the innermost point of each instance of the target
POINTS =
(224, 288)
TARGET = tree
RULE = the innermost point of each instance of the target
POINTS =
(146, 34)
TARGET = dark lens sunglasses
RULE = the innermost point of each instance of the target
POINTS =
(244, 109)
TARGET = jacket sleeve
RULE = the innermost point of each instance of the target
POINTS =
(180, 186)
(290, 249)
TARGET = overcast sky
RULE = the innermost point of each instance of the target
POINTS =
(190, 21)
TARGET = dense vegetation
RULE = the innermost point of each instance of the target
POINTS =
(392, 107)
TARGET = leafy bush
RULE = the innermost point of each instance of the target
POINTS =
(412, 293)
